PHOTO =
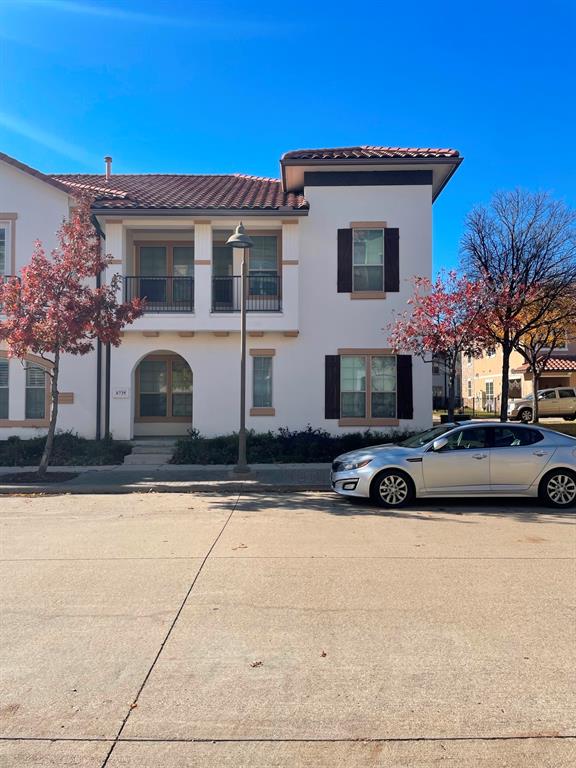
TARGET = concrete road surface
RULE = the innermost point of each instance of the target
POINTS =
(285, 630)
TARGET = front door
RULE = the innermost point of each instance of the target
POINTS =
(463, 464)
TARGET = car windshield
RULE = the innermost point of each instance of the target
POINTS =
(417, 441)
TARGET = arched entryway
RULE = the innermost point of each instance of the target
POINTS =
(163, 395)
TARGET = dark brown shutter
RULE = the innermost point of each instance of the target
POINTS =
(391, 260)
(332, 387)
(344, 261)
(404, 386)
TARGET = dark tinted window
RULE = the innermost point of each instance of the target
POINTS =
(566, 392)
(550, 395)
(475, 437)
(510, 437)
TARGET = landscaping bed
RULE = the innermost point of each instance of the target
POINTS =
(69, 449)
(283, 446)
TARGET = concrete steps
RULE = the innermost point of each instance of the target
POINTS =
(151, 451)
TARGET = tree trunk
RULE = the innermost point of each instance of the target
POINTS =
(536, 404)
(506, 351)
(45, 461)
(451, 381)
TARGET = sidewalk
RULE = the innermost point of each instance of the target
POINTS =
(178, 478)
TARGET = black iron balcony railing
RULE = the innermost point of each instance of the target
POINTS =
(263, 293)
(162, 294)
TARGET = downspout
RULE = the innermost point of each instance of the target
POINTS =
(102, 236)
(107, 401)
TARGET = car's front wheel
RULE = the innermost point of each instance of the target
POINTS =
(558, 488)
(525, 415)
(392, 489)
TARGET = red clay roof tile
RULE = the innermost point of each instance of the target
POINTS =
(365, 152)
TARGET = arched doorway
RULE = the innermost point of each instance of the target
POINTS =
(163, 401)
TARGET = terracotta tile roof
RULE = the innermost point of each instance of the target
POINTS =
(33, 172)
(369, 153)
(567, 363)
(169, 191)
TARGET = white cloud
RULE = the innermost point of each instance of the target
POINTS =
(39, 136)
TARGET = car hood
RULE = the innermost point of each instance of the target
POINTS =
(377, 450)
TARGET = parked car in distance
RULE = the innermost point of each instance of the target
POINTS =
(559, 402)
(463, 461)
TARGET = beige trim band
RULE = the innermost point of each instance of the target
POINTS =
(368, 295)
(290, 262)
(368, 225)
(368, 422)
(114, 261)
(262, 352)
(66, 398)
(32, 423)
(221, 334)
(291, 334)
(256, 334)
(150, 334)
(36, 359)
(350, 351)
(186, 334)
(202, 262)
(262, 412)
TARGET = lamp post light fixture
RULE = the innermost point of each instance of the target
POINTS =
(241, 240)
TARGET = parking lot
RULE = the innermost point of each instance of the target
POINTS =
(285, 630)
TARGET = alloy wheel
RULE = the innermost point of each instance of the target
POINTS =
(561, 489)
(393, 490)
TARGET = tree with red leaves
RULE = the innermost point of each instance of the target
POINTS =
(443, 324)
(52, 309)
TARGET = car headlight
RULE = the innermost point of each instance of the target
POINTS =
(356, 464)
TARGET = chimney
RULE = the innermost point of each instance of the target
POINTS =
(108, 161)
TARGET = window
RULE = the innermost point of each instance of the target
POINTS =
(263, 266)
(165, 389)
(368, 386)
(262, 382)
(4, 247)
(464, 439)
(168, 271)
(368, 260)
(468, 359)
(566, 393)
(514, 389)
(4, 392)
(35, 392)
(547, 395)
(469, 385)
(491, 352)
(511, 437)
(490, 389)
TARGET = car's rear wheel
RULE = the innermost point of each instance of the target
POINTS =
(570, 418)
(392, 489)
(525, 415)
(558, 488)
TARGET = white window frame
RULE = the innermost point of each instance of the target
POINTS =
(373, 266)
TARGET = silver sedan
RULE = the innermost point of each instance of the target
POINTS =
(463, 460)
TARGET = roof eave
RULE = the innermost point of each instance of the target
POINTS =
(209, 212)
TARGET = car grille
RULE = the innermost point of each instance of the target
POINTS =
(337, 466)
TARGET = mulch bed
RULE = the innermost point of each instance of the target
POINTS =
(32, 478)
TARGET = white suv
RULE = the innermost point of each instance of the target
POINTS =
(559, 402)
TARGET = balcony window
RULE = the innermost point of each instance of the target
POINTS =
(165, 277)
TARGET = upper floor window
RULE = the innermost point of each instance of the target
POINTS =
(263, 266)
(491, 352)
(165, 273)
(5, 247)
(468, 359)
(4, 392)
(368, 260)
(469, 387)
(368, 386)
(36, 392)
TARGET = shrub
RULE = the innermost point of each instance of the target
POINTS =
(69, 449)
(282, 446)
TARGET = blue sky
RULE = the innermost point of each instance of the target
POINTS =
(202, 87)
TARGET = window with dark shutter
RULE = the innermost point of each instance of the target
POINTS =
(332, 387)
(391, 260)
(404, 387)
(344, 261)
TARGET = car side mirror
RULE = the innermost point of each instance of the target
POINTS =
(438, 444)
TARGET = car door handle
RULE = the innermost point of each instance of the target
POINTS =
(480, 456)
(540, 453)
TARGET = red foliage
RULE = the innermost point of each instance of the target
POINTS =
(53, 308)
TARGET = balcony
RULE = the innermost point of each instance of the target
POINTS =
(264, 293)
(161, 293)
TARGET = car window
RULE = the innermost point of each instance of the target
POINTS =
(566, 393)
(463, 439)
(550, 395)
(511, 437)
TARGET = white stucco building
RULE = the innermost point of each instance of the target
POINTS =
(336, 241)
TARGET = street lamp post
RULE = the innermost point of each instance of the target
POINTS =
(241, 240)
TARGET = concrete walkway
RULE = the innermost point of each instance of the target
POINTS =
(170, 630)
(178, 478)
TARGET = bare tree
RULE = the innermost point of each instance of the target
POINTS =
(523, 249)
